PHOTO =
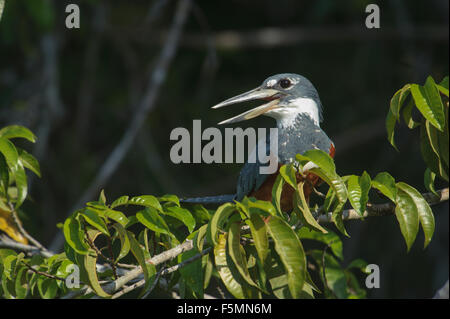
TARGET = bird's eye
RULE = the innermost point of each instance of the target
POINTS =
(285, 83)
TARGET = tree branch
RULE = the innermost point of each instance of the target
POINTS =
(384, 209)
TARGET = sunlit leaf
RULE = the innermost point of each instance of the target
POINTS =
(291, 253)
(424, 211)
(407, 216)
(15, 131)
(429, 102)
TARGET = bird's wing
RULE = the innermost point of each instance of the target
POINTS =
(250, 177)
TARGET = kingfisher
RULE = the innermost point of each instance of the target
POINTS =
(293, 101)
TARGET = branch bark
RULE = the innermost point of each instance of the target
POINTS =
(384, 209)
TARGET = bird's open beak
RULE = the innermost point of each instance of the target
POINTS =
(255, 94)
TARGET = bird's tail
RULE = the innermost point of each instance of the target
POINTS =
(220, 199)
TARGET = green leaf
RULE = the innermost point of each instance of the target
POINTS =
(14, 131)
(220, 255)
(390, 128)
(147, 201)
(74, 234)
(276, 192)
(122, 200)
(9, 151)
(150, 218)
(320, 158)
(429, 102)
(138, 252)
(359, 264)
(291, 253)
(124, 241)
(90, 264)
(47, 287)
(30, 162)
(199, 238)
(288, 174)
(443, 86)
(116, 215)
(21, 184)
(407, 116)
(335, 278)
(439, 144)
(21, 285)
(192, 273)
(170, 198)
(358, 191)
(398, 99)
(385, 183)
(330, 239)
(301, 208)
(182, 215)
(428, 180)
(424, 211)
(432, 160)
(407, 216)
(235, 250)
(93, 218)
(221, 215)
(258, 230)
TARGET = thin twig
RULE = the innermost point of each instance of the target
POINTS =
(22, 230)
(41, 272)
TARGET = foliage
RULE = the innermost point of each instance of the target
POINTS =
(252, 247)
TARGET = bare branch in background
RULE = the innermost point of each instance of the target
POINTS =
(279, 37)
(156, 79)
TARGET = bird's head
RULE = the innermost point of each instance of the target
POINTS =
(286, 94)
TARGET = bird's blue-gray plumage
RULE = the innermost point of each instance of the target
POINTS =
(300, 102)
(302, 136)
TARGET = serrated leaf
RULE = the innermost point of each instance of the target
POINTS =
(429, 103)
(290, 250)
(14, 131)
(424, 211)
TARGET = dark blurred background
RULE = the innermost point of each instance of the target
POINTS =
(85, 93)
